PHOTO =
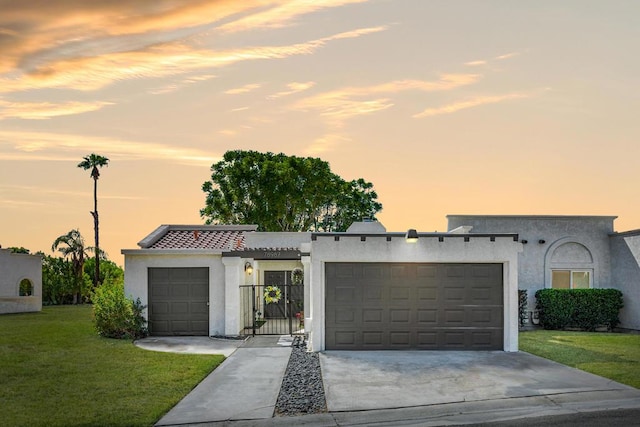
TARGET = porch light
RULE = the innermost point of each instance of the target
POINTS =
(248, 268)
(411, 236)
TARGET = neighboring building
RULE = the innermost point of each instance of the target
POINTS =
(20, 282)
(570, 252)
(367, 288)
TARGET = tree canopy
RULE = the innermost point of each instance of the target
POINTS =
(284, 193)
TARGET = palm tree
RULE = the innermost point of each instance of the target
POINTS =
(71, 245)
(94, 162)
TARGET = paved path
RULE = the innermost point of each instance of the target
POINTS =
(244, 387)
(409, 388)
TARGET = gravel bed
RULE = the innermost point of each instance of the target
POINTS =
(302, 390)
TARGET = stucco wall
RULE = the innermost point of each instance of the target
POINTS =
(427, 249)
(14, 268)
(137, 262)
(625, 260)
(536, 259)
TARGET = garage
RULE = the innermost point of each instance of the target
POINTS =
(429, 306)
(178, 301)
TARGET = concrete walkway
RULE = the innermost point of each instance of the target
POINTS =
(387, 388)
(244, 387)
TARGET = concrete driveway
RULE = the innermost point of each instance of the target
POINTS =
(471, 382)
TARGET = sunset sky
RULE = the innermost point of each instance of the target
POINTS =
(448, 107)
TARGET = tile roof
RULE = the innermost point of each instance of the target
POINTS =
(216, 237)
(200, 239)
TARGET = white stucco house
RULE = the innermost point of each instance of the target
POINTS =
(368, 288)
(20, 282)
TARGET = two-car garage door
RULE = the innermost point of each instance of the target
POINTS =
(178, 301)
(380, 306)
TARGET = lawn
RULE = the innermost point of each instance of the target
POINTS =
(611, 355)
(56, 371)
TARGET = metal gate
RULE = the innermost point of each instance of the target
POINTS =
(275, 309)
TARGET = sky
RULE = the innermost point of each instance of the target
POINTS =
(447, 107)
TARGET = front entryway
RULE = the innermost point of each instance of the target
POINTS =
(395, 306)
(275, 308)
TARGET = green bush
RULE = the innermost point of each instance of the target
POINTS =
(115, 315)
(579, 308)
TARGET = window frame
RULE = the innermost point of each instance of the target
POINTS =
(571, 272)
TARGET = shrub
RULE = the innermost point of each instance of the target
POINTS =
(115, 315)
(579, 308)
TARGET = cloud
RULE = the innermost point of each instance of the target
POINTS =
(35, 31)
(326, 143)
(470, 103)
(42, 146)
(172, 87)
(507, 56)
(475, 63)
(96, 72)
(243, 89)
(495, 58)
(348, 102)
(294, 87)
(46, 110)
(282, 14)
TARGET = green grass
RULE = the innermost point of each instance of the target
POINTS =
(56, 371)
(610, 355)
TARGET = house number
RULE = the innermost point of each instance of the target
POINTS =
(272, 254)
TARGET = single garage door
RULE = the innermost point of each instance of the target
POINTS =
(179, 301)
(386, 306)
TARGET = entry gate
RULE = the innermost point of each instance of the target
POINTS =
(272, 309)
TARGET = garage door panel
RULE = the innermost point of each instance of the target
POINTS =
(399, 316)
(427, 317)
(401, 293)
(372, 316)
(345, 295)
(179, 290)
(373, 293)
(423, 306)
(344, 316)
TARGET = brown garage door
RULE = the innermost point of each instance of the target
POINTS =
(178, 301)
(385, 306)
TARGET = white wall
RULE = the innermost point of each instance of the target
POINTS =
(625, 256)
(427, 249)
(136, 263)
(14, 268)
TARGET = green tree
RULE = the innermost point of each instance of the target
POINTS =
(110, 272)
(19, 250)
(284, 193)
(95, 162)
(71, 246)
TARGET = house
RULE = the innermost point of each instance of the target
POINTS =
(368, 288)
(20, 282)
(569, 252)
(365, 288)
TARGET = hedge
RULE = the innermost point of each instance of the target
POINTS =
(579, 308)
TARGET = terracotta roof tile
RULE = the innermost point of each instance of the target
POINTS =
(201, 239)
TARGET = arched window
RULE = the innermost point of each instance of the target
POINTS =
(26, 288)
(572, 266)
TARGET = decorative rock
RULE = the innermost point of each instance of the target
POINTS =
(302, 390)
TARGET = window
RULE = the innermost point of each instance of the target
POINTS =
(26, 288)
(570, 279)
